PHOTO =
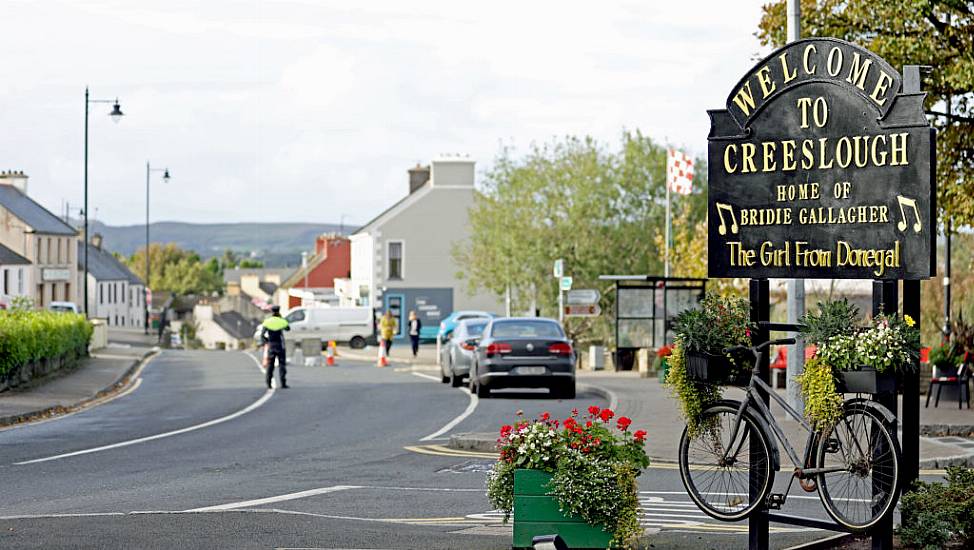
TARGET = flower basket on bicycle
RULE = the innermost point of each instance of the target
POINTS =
(715, 369)
(865, 380)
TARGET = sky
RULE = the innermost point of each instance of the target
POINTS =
(312, 111)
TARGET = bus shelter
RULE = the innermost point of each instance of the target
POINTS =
(645, 306)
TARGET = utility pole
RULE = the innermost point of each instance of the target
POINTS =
(795, 287)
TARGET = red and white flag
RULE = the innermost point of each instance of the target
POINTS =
(679, 172)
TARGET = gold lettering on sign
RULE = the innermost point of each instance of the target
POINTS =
(882, 86)
(730, 149)
(858, 71)
(745, 99)
(809, 49)
(784, 68)
(764, 79)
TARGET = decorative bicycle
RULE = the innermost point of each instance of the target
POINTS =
(728, 463)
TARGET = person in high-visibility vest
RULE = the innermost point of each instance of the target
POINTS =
(388, 327)
(272, 336)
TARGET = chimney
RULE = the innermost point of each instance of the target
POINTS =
(96, 240)
(321, 244)
(18, 179)
(418, 176)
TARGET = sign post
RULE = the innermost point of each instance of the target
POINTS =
(564, 285)
(821, 166)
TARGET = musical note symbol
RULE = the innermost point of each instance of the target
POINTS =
(723, 226)
(903, 201)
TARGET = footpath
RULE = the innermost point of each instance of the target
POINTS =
(101, 376)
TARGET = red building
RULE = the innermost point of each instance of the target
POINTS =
(332, 259)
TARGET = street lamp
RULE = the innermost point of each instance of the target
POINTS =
(116, 115)
(145, 291)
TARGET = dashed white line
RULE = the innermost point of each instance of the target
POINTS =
(426, 376)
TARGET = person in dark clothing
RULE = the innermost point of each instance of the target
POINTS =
(414, 327)
(272, 337)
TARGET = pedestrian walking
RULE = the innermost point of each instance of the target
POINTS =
(415, 325)
(388, 327)
(272, 337)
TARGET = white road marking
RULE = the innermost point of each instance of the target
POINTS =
(253, 406)
(271, 500)
(471, 406)
(427, 376)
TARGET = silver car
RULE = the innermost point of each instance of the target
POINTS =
(457, 352)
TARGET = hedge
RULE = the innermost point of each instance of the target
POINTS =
(30, 336)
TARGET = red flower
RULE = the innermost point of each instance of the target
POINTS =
(588, 424)
(545, 415)
(593, 410)
(574, 412)
(606, 415)
(598, 441)
(506, 430)
(623, 423)
(640, 435)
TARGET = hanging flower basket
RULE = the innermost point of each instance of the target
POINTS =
(715, 369)
(865, 380)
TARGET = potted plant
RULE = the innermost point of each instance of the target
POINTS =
(575, 478)
(850, 358)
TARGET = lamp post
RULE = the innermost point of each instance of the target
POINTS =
(116, 115)
(145, 290)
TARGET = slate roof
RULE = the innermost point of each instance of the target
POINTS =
(9, 257)
(236, 325)
(233, 275)
(267, 287)
(103, 266)
(32, 213)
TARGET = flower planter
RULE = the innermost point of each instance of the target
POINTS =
(866, 380)
(536, 513)
(715, 369)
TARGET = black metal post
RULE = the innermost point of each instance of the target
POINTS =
(948, 229)
(757, 523)
(84, 282)
(885, 300)
(910, 414)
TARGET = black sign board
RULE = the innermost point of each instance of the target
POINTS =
(821, 167)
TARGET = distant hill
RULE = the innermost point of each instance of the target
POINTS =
(277, 244)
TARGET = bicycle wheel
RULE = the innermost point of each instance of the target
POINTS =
(726, 488)
(866, 489)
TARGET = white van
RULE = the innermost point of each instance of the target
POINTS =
(342, 324)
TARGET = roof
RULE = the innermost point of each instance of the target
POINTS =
(235, 324)
(399, 205)
(104, 266)
(267, 287)
(9, 257)
(40, 219)
(233, 275)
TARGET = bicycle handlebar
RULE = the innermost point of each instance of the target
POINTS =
(761, 347)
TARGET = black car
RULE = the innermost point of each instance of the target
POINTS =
(524, 353)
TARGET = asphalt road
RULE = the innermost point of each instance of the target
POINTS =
(200, 455)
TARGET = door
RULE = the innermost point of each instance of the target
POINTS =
(394, 304)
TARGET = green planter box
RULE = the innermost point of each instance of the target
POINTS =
(536, 513)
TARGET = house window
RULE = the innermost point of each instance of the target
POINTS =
(6, 281)
(20, 281)
(101, 294)
(395, 259)
(49, 247)
(59, 250)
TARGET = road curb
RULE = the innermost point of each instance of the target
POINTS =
(121, 383)
(821, 544)
(484, 442)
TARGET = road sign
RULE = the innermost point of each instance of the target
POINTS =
(559, 269)
(566, 283)
(583, 296)
(588, 310)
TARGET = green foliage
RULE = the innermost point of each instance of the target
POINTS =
(576, 199)
(890, 344)
(594, 466)
(22, 303)
(935, 514)
(29, 336)
(250, 264)
(945, 356)
(693, 396)
(719, 322)
(936, 33)
(823, 405)
(834, 318)
(840, 353)
(176, 270)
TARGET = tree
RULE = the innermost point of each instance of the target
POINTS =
(936, 33)
(176, 270)
(572, 199)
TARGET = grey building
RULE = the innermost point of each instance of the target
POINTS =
(114, 292)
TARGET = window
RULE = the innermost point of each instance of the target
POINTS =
(295, 317)
(6, 281)
(49, 247)
(101, 294)
(395, 259)
(59, 251)
(20, 281)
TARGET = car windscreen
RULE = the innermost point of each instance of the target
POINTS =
(475, 329)
(62, 309)
(526, 329)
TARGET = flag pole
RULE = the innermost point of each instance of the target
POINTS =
(666, 246)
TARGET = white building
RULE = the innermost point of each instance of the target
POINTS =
(114, 292)
(15, 271)
(33, 232)
(226, 330)
(402, 260)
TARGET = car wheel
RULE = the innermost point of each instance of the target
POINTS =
(483, 392)
(357, 342)
(455, 381)
(443, 377)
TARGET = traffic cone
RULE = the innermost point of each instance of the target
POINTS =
(383, 360)
(330, 354)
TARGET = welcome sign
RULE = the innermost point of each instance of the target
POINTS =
(821, 167)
